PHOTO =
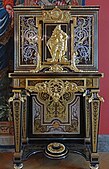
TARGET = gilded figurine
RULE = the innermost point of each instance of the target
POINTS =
(57, 45)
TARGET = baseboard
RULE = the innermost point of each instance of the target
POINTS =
(6, 143)
(103, 143)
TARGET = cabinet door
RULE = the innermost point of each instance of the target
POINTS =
(50, 119)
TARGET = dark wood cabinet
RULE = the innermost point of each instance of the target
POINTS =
(56, 104)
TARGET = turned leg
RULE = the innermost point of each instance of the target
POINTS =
(95, 101)
(17, 116)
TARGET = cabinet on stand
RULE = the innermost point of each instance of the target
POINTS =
(56, 102)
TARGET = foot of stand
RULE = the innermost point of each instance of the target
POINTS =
(18, 166)
(92, 166)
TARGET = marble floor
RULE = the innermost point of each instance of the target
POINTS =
(73, 161)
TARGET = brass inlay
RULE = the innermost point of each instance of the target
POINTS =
(81, 82)
(17, 111)
(24, 117)
(87, 106)
(95, 117)
(95, 100)
(17, 99)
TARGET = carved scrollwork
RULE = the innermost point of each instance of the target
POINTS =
(55, 88)
(56, 15)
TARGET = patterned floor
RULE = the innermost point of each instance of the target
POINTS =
(38, 161)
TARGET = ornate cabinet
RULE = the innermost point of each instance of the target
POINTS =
(56, 103)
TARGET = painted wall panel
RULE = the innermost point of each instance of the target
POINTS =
(103, 61)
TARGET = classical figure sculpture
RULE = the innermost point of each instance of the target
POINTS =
(57, 45)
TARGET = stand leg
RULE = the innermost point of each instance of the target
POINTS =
(95, 111)
(17, 116)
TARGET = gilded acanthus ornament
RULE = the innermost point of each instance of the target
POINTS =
(55, 88)
(73, 64)
(38, 67)
(56, 15)
(95, 95)
(17, 94)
